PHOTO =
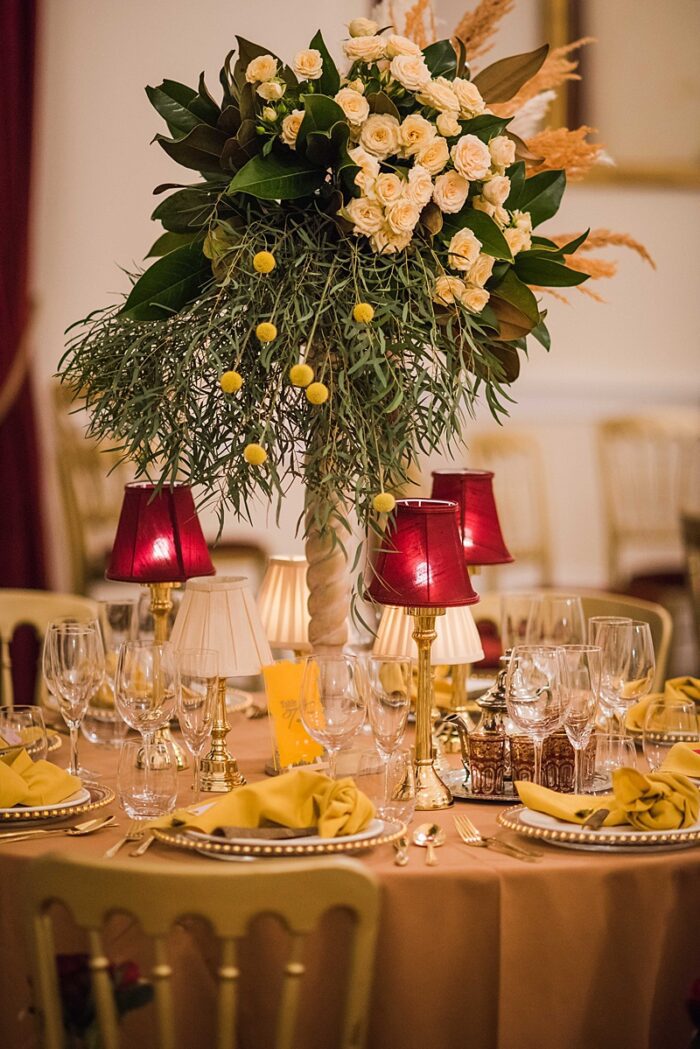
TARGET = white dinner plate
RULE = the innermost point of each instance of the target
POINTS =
(607, 839)
(379, 832)
(79, 798)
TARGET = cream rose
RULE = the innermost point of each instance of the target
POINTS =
(439, 94)
(386, 242)
(463, 250)
(269, 114)
(474, 299)
(522, 220)
(366, 215)
(470, 101)
(410, 71)
(501, 216)
(448, 290)
(415, 133)
(308, 65)
(471, 157)
(362, 27)
(518, 239)
(502, 150)
(419, 188)
(434, 156)
(448, 125)
(402, 216)
(388, 188)
(369, 169)
(356, 85)
(496, 190)
(481, 270)
(450, 192)
(290, 127)
(264, 67)
(355, 106)
(400, 45)
(271, 90)
(364, 49)
(380, 134)
(479, 204)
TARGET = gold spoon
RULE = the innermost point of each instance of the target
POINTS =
(429, 836)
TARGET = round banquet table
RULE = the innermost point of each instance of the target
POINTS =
(582, 950)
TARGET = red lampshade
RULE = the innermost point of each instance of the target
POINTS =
(472, 490)
(159, 538)
(420, 562)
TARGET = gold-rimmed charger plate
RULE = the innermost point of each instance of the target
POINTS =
(387, 832)
(53, 743)
(607, 839)
(97, 796)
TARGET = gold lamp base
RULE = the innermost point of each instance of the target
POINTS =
(431, 792)
(219, 769)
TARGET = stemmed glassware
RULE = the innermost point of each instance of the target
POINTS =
(641, 669)
(199, 669)
(667, 722)
(516, 612)
(118, 622)
(535, 695)
(613, 635)
(581, 679)
(74, 663)
(332, 706)
(388, 703)
(556, 619)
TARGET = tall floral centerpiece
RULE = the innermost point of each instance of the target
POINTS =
(354, 265)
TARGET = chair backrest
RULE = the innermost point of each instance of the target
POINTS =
(691, 542)
(601, 603)
(300, 892)
(35, 608)
(649, 467)
(521, 495)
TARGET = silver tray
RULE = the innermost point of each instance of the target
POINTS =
(455, 781)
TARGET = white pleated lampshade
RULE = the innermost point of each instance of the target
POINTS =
(457, 638)
(283, 603)
(219, 612)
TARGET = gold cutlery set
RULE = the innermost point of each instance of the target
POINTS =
(430, 837)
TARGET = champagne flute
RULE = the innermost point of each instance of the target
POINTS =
(581, 679)
(613, 635)
(196, 705)
(388, 703)
(332, 706)
(77, 664)
(146, 689)
(556, 619)
(640, 671)
(535, 697)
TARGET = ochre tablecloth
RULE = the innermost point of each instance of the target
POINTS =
(580, 951)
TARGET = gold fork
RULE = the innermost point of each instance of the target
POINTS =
(470, 835)
(134, 832)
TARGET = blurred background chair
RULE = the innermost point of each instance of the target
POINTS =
(299, 893)
(691, 542)
(24, 617)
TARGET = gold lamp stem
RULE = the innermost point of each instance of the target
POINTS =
(160, 608)
(431, 792)
(219, 768)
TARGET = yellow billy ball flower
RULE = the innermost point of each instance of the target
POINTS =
(264, 262)
(384, 503)
(317, 392)
(231, 382)
(254, 454)
(363, 312)
(301, 374)
(266, 331)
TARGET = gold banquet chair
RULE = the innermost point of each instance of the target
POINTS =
(299, 892)
(35, 608)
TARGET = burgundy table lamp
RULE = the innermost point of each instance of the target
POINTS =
(472, 490)
(420, 566)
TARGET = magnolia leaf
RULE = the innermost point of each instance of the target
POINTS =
(239, 150)
(508, 358)
(431, 218)
(246, 102)
(462, 65)
(169, 284)
(485, 126)
(247, 51)
(167, 242)
(329, 81)
(186, 211)
(203, 105)
(200, 149)
(325, 147)
(379, 102)
(516, 174)
(500, 81)
(541, 333)
(230, 120)
(514, 305)
(441, 59)
(226, 80)
(483, 227)
(175, 114)
(321, 113)
(541, 195)
(546, 273)
(575, 244)
(277, 178)
(522, 150)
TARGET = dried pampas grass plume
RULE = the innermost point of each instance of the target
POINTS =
(605, 238)
(556, 69)
(476, 28)
(558, 149)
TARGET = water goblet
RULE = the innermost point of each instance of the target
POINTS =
(556, 619)
(196, 705)
(332, 706)
(146, 688)
(388, 702)
(22, 726)
(76, 669)
(667, 722)
(581, 679)
(516, 612)
(535, 697)
(146, 788)
(390, 785)
(613, 635)
(613, 751)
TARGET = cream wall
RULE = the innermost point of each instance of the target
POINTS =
(95, 173)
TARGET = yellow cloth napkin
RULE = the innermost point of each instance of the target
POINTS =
(27, 782)
(683, 759)
(659, 801)
(675, 688)
(295, 799)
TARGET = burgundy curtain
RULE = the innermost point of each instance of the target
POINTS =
(21, 547)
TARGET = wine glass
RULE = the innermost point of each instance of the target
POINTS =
(332, 706)
(76, 668)
(535, 697)
(556, 619)
(390, 786)
(22, 725)
(196, 705)
(613, 636)
(388, 703)
(118, 622)
(146, 688)
(516, 611)
(640, 671)
(581, 679)
(667, 722)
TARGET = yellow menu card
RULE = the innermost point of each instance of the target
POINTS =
(293, 744)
